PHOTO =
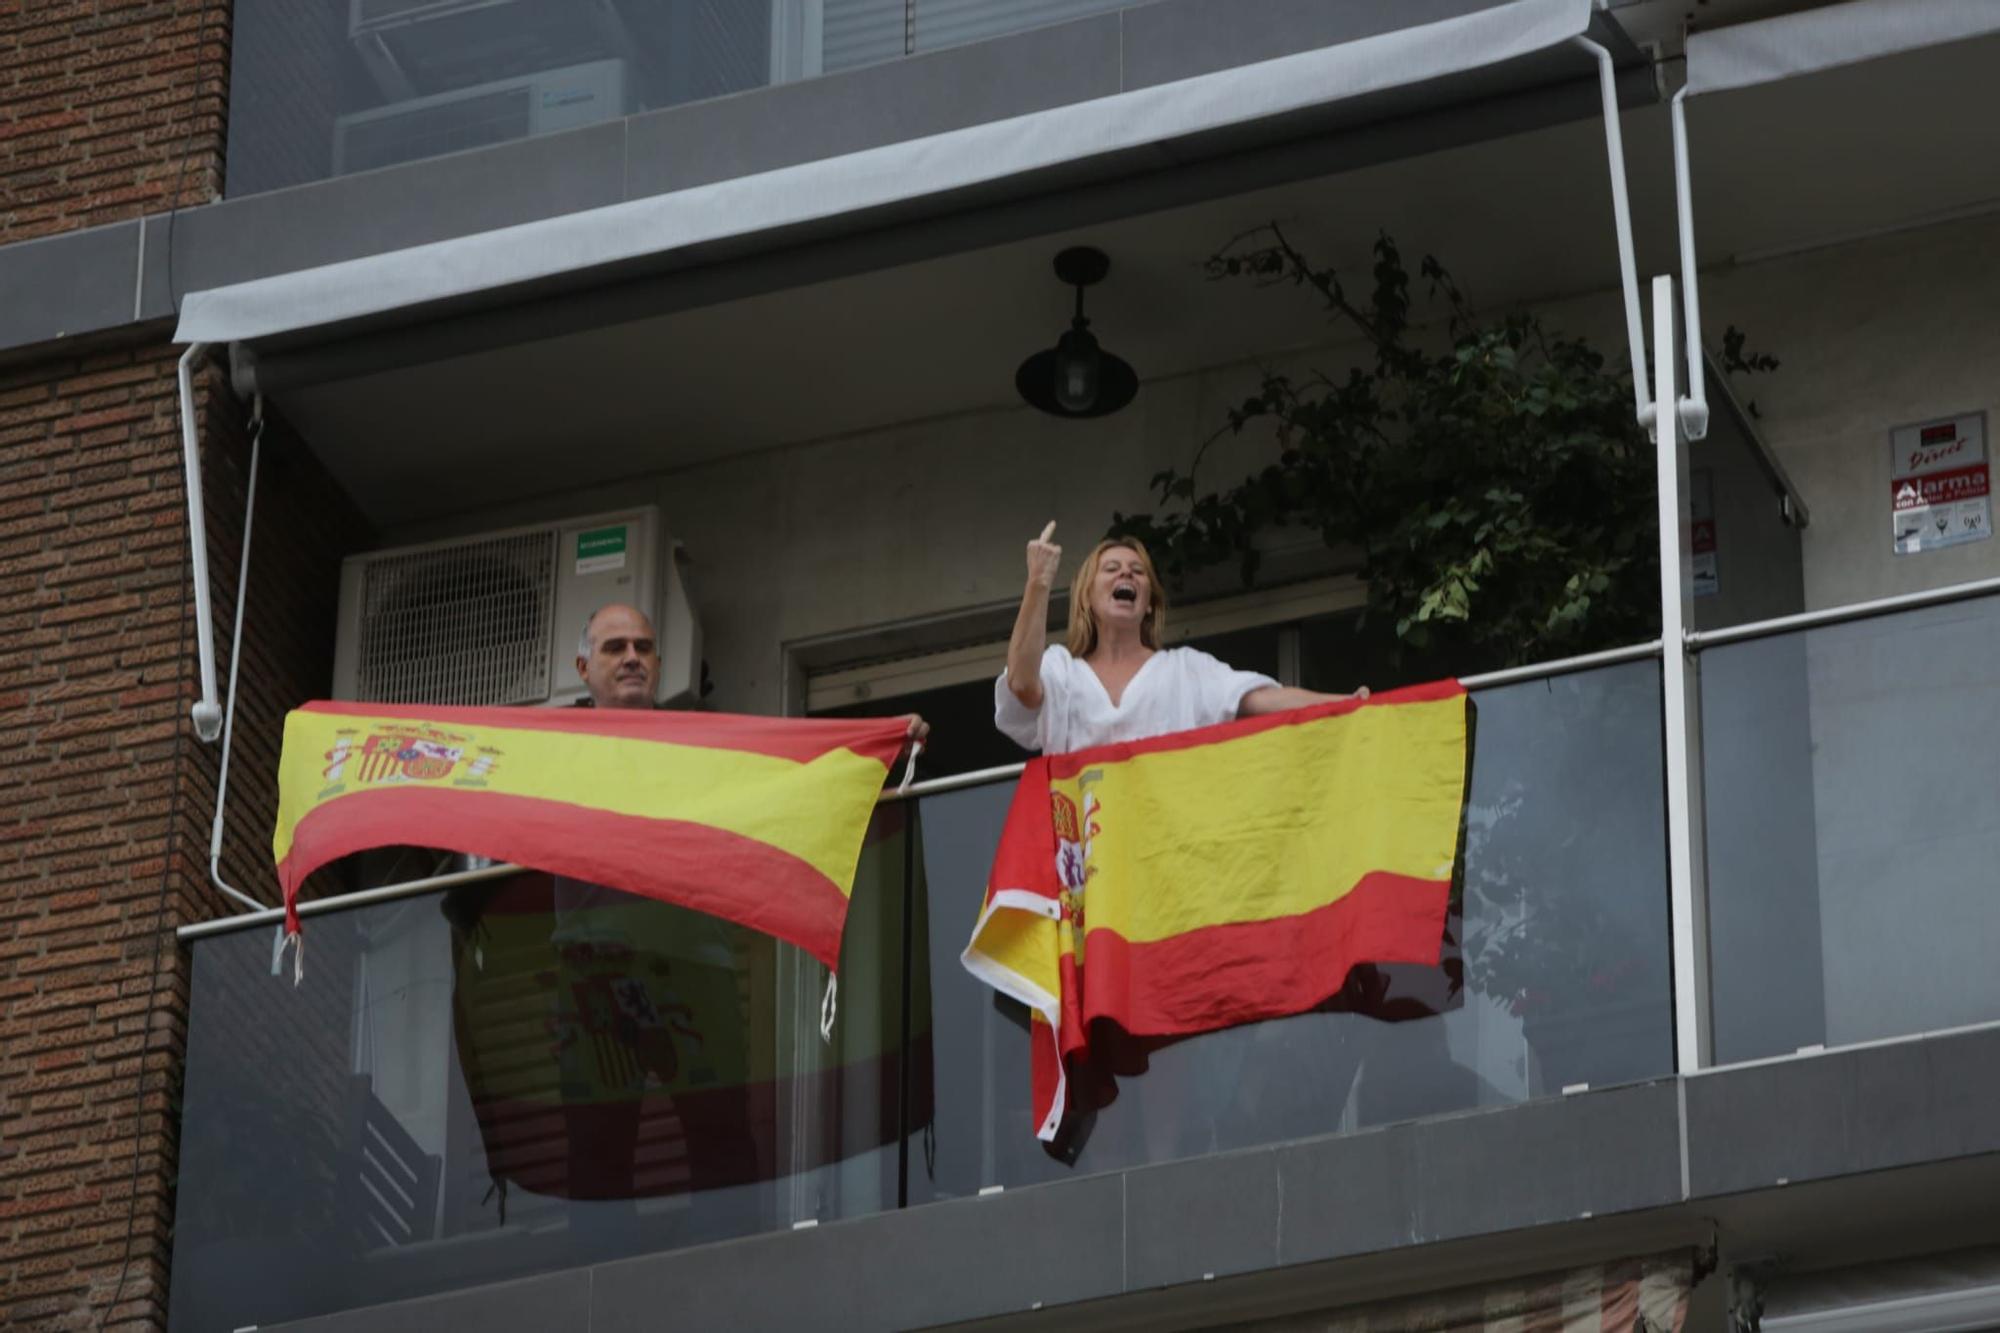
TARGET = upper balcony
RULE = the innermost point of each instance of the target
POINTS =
(333, 87)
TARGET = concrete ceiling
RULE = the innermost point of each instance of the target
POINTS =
(1523, 218)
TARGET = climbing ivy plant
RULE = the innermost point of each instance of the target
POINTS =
(1490, 475)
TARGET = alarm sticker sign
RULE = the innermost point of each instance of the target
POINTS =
(1939, 485)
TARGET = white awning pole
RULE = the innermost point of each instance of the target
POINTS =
(207, 711)
(1694, 407)
(236, 664)
(1680, 697)
(1621, 212)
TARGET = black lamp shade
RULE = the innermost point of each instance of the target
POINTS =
(1077, 377)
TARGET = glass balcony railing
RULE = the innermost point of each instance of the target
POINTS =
(523, 1075)
(1853, 840)
(530, 1074)
(1563, 949)
(323, 88)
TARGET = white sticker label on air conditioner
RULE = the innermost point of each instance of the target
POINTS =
(600, 549)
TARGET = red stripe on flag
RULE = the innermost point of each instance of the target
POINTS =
(1073, 763)
(803, 739)
(1246, 972)
(695, 865)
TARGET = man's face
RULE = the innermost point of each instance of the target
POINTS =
(623, 669)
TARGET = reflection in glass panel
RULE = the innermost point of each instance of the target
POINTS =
(519, 1076)
(323, 88)
(327, 87)
(1852, 834)
(1564, 950)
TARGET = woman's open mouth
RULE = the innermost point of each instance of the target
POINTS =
(1126, 593)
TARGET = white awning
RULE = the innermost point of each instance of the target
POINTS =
(1821, 39)
(1155, 118)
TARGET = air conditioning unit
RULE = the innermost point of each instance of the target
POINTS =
(494, 619)
(485, 114)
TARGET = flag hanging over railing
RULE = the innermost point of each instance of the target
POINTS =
(1221, 876)
(756, 820)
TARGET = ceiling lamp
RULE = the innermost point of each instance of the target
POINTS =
(1076, 377)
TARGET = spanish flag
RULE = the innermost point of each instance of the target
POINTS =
(756, 820)
(1226, 875)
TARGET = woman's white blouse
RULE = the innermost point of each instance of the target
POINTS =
(1176, 689)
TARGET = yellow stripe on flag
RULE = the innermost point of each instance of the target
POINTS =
(1262, 826)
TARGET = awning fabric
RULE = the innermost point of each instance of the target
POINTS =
(1748, 54)
(1639, 1295)
(549, 249)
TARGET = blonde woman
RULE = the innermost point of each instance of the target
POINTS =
(1113, 681)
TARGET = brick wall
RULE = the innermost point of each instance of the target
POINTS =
(96, 674)
(108, 108)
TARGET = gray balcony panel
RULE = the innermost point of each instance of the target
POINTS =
(397, 207)
(1590, 1154)
(1209, 1217)
(967, 1260)
(1843, 1112)
(67, 285)
(1963, 1076)
(553, 1303)
(886, 103)
(1357, 1194)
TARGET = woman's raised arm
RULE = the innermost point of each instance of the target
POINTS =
(1031, 623)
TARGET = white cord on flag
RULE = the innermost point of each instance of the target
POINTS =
(298, 944)
(827, 1005)
(910, 769)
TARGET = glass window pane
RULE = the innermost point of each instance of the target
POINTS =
(1254, 649)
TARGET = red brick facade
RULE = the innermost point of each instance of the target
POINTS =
(97, 671)
(106, 107)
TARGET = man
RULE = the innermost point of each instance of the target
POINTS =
(618, 658)
(619, 661)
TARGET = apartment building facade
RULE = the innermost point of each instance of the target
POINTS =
(355, 347)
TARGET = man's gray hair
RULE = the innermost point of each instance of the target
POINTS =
(584, 647)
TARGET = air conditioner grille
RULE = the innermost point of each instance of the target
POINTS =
(465, 624)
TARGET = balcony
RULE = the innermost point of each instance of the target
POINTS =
(517, 1076)
(512, 1077)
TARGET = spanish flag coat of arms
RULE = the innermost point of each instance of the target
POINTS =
(1226, 875)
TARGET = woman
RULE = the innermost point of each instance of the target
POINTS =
(1114, 682)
